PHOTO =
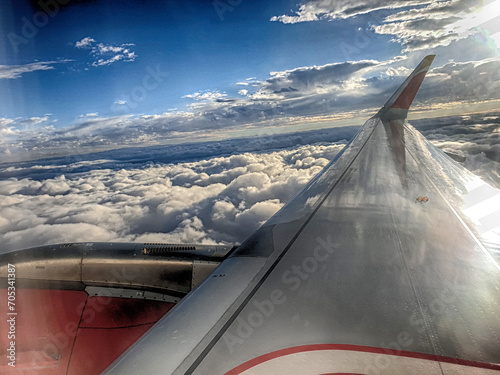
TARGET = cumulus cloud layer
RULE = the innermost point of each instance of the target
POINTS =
(415, 24)
(222, 199)
(477, 137)
(120, 196)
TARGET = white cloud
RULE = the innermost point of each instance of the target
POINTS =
(92, 114)
(86, 42)
(473, 81)
(6, 129)
(426, 25)
(216, 200)
(33, 120)
(106, 54)
(12, 129)
(16, 71)
(401, 71)
(476, 137)
(437, 24)
(102, 49)
(206, 95)
(5, 121)
(315, 10)
(329, 78)
(249, 81)
(124, 55)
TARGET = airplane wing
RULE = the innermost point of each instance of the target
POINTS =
(377, 267)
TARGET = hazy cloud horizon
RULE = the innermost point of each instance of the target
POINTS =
(213, 192)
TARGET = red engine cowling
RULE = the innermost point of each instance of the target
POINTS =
(73, 309)
(69, 332)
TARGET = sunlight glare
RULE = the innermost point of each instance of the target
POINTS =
(482, 20)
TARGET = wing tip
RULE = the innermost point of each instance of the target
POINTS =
(398, 105)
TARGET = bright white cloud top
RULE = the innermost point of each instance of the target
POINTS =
(218, 200)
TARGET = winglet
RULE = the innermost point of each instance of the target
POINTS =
(399, 103)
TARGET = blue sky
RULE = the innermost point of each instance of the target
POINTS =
(96, 75)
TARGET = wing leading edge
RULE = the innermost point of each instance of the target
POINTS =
(373, 268)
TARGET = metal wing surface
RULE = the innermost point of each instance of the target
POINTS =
(383, 264)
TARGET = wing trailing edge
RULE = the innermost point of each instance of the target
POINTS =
(399, 103)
